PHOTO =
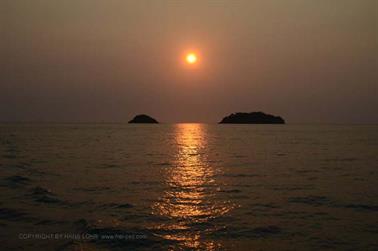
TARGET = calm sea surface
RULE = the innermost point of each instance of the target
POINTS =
(188, 187)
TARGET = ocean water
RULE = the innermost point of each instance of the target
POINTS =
(188, 187)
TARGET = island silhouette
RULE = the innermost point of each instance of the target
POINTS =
(252, 118)
(143, 119)
(234, 118)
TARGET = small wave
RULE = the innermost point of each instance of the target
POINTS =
(281, 154)
(294, 215)
(49, 222)
(109, 166)
(229, 190)
(47, 199)
(12, 150)
(240, 175)
(292, 188)
(16, 180)
(333, 244)
(305, 171)
(9, 156)
(264, 206)
(38, 161)
(11, 214)
(324, 201)
(40, 191)
(145, 182)
(240, 156)
(40, 194)
(257, 232)
(162, 164)
(340, 159)
(362, 207)
(117, 205)
(22, 166)
(310, 200)
(268, 230)
(93, 189)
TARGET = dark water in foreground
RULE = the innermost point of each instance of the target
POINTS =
(188, 187)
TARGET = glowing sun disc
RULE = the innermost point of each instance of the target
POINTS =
(191, 58)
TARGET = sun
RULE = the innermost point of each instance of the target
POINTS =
(191, 58)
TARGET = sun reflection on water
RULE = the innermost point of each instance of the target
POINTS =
(190, 201)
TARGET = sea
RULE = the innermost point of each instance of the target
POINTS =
(188, 187)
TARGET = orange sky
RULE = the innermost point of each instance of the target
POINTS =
(94, 60)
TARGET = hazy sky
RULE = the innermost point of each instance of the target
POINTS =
(107, 60)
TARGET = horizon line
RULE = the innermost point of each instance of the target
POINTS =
(184, 122)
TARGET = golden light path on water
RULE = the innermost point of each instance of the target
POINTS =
(190, 200)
